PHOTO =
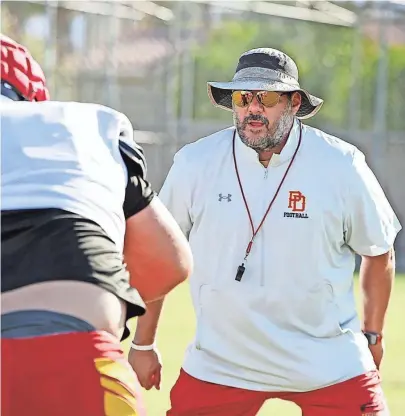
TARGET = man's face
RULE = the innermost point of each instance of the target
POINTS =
(264, 128)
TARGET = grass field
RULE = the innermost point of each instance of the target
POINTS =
(176, 331)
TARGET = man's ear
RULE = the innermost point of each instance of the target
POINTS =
(296, 100)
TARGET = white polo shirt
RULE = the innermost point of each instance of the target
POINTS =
(290, 324)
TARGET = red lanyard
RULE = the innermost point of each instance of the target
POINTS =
(241, 268)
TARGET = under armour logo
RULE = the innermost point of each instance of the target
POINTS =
(222, 197)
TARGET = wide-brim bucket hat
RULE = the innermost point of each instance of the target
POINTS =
(264, 69)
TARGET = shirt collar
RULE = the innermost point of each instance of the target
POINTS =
(277, 159)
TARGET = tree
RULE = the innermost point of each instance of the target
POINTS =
(324, 56)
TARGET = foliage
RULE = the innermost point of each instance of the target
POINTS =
(324, 55)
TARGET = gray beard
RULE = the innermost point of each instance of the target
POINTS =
(273, 137)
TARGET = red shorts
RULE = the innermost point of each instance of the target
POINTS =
(74, 374)
(359, 396)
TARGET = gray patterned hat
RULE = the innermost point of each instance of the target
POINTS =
(264, 69)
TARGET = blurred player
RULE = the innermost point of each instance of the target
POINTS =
(75, 203)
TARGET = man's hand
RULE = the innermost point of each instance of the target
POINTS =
(147, 366)
(377, 351)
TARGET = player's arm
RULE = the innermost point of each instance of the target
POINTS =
(176, 195)
(371, 229)
(156, 252)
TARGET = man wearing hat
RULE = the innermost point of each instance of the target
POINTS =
(275, 211)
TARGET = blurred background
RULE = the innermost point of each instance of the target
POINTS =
(152, 60)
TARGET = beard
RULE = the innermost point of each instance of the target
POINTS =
(272, 136)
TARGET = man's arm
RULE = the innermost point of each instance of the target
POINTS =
(156, 252)
(147, 363)
(370, 230)
(147, 324)
(376, 280)
(176, 196)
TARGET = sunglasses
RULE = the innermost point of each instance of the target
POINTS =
(266, 98)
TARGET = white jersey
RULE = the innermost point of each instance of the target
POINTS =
(290, 324)
(66, 155)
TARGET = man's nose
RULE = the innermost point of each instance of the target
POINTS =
(255, 106)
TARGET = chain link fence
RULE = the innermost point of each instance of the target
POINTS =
(151, 60)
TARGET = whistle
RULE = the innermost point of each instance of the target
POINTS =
(239, 273)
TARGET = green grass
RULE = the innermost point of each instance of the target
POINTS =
(178, 324)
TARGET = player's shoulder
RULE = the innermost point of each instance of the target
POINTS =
(117, 126)
(64, 110)
(109, 120)
(329, 148)
(206, 148)
(79, 106)
(86, 109)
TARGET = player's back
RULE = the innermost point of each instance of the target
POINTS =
(65, 155)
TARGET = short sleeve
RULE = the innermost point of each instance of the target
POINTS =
(138, 193)
(176, 192)
(371, 225)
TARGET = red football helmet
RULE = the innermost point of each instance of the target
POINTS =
(21, 75)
